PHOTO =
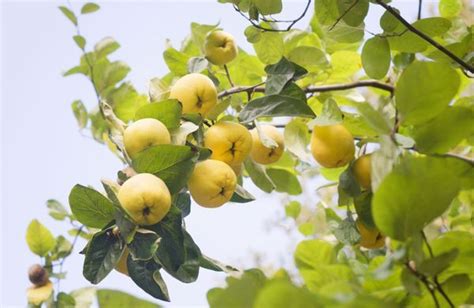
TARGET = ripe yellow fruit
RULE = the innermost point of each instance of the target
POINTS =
(39, 294)
(143, 134)
(260, 153)
(196, 92)
(145, 198)
(332, 146)
(220, 47)
(362, 171)
(371, 238)
(121, 265)
(212, 183)
(229, 142)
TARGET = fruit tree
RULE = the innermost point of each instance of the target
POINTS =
(384, 120)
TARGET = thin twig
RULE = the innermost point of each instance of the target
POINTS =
(422, 35)
(288, 28)
(344, 14)
(317, 89)
(420, 7)
(79, 231)
(435, 278)
(425, 281)
(228, 75)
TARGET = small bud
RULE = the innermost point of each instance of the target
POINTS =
(38, 275)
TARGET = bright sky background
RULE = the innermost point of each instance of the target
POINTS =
(43, 155)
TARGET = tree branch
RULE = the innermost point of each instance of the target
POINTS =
(317, 89)
(344, 14)
(288, 28)
(422, 35)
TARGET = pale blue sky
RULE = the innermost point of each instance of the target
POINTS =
(43, 154)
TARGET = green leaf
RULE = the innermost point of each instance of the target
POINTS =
(268, 7)
(433, 266)
(214, 265)
(177, 253)
(144, 245)
(311, 254)
(388, 22)
(458, 289)
(330, 114)
(146, 275)
(188, 271)
(167, 112)
(307, 228)
(183, 202)
(438, 82)
(464, 242)
(376, 57)
(90, 207)
(278, 76)
(126, 101)
(363, 207)
(56, 209)
(284, 294)
(410, 282)
(309, 57)
(374, 118)
(62, 249)
(107, 298)
(285, 181)
(296, 137)
(199, 32)
(347, 233)
(348, 183)
(240, 292)
(65, 300)
(176, 61)
(197, 64)
(105, 47)
(80, 41)
(102, 254)
(252, 34)
(354, 10)
(171, 163)
(417, 190)
(69, 14)
(406, 41)
(275, 106)
(259, 176)
(293, 209)
(326, 11)
(39, 238)
(89, 8)
(241, 195)
(450, 8)
(80, 113)
(444, 131)
(269, 48)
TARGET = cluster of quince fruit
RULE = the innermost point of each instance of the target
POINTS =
(333, 146)
(146, 198)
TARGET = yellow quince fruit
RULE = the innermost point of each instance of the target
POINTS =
(212, 183)
(332, 146)
(145, 198)
(260, 153)
(229, 142)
